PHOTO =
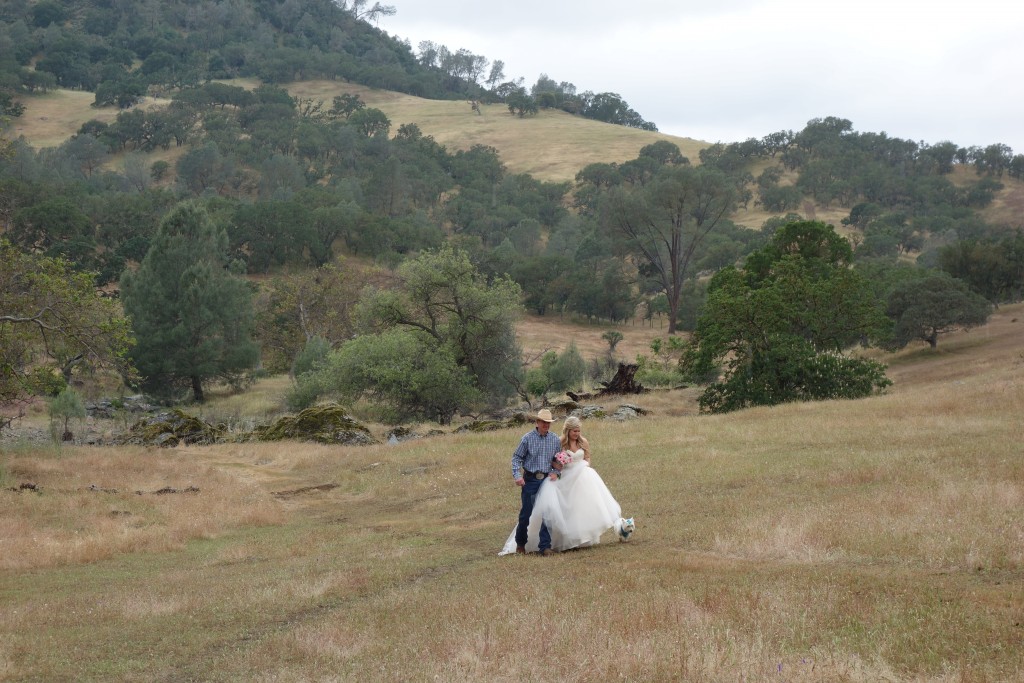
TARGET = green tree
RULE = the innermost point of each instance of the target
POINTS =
(48, 12)
(271, 233)
(543, 279)
(780, 329)
(993, 269)
(607, 293)
(158, 171)
(557, 372)
(665, 153)
(444, 311)
(203, 169)
(613, 337)
(664, 221)
(192, 315)
(346, 105)
(994, 160)
(521, 104)
(669, 351)
(818, 246)
(55, 227)
(370, 122)
(87, 152)
(312, 355)
(295, 308)
(924, 308)
(359, 9)
(67, 405)
(611, 108)
(52, 320)
(123, 92)
(403, 370)
(443, 294)
(663, 368)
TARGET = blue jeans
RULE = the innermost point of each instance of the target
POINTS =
(528, 496)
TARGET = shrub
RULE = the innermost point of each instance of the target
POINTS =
(66, 406)
(313, 354)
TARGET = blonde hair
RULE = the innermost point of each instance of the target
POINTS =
(571, 422)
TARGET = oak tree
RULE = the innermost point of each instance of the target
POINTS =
(664, 220)
(53, 322)
(924, 308)
(779, 329)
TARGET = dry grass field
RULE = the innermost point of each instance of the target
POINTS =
(872, 540)
(553, 332)
(53, 117)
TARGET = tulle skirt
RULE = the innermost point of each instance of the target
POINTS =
(577, 509)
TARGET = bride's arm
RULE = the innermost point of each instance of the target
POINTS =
(586, 448)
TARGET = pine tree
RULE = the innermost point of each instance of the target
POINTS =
(192, 315)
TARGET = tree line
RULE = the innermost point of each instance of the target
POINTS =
(774, 323)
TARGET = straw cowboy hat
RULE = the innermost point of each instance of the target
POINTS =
(545, 415)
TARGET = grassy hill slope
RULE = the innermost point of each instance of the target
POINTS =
(551, 146)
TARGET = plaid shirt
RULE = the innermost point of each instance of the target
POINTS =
(534, 453)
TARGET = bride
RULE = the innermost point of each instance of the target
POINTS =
(577, 507)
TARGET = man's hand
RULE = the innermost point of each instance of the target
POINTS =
(553, 476)
(520, 482)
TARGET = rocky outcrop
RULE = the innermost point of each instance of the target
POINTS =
(169, 429)
(109, 408)
(328, 424)
(324, 424)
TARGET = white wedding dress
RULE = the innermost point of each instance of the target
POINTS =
(577, 508)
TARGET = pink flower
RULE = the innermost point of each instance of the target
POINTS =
(563, 458)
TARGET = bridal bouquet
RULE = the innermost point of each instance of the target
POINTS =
(562, 458)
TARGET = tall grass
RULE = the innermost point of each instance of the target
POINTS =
(872, 540)
(94, 504)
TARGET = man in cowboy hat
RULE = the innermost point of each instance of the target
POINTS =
(531, 465)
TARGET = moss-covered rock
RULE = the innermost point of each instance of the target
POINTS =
(400, 434)
(519, 418)
(563, 406)
(483, 426)
(172, 428)
(590, 412)
(634, 408)
(323, 424)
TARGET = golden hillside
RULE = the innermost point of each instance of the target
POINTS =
(552, 145)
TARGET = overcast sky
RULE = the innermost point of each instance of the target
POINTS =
(728, 70)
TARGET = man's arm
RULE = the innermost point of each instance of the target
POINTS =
(518, 457)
